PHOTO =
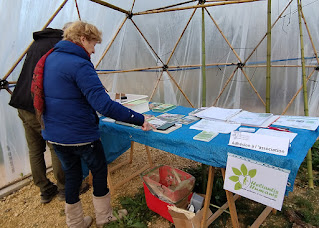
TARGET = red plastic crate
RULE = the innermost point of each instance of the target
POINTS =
(168, 183)
(160, 207)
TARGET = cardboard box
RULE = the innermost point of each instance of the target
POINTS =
(180, 220)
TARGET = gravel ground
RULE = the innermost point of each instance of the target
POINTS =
(23, 208)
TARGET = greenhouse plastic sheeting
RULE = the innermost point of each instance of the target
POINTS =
(152, 44)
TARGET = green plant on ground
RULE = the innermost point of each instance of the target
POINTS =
(305, 209)
(139, 215)
(315, 156)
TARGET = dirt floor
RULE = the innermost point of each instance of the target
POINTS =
(23, 208)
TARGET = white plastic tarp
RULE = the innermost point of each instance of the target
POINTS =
(244, 25)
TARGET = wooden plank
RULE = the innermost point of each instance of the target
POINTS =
(220, 211)
(261, 218)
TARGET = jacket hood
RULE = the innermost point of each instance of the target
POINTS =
(48, 32)
(71, 48)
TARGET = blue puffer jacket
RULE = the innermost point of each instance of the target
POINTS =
(73, 92)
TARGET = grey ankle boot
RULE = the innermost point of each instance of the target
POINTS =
(74, 216)
(103, 210)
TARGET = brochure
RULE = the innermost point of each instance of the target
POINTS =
(163, 108)
(205, 136)
(169, 117)
(302, 122)
(188, 120)
(251, 118)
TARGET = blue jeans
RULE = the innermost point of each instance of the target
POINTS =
(93, 155)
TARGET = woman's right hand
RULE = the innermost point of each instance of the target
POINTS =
(147, 126)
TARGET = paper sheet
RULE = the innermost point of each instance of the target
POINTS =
(251, 118)
(281, 134)
(215, 126)
(303, 122)
(217, 113)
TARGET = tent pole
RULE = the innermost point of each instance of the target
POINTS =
(147, 41)
(22, 55)
(180, 89)
(204, 167)
(132, 5)
(252, 86)
(221, 32)
(110, 44)
(203, 60)
(131, 70)
(110, 6)
(305, 95)
(268, 70)
(266, 32)
(169, 58)
(239, 59)
(77, 9)
(227, 82)
(310, 37)
(156, 85)
(255, 66)
(299, 90)
(191, 7)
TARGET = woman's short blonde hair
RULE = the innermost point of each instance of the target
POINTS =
(79, 28)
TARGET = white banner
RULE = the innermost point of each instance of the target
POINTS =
(256, 181)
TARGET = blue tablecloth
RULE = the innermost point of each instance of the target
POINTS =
(116, 140)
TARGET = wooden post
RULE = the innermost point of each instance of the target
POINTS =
(268, 70)
(203, 60)
(305, 94)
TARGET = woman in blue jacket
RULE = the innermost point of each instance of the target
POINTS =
(72, 95)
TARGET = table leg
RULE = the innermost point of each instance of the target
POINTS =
(209, 189)
(231, 205)
(150, 161)
(131, 152)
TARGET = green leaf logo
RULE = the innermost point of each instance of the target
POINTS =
(243, 169)
(242, 177)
